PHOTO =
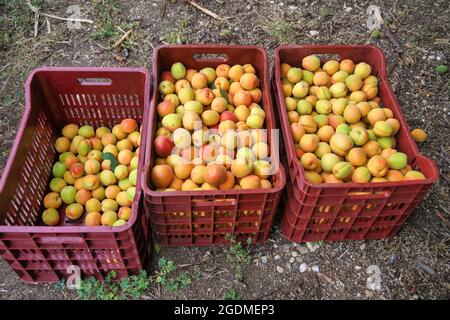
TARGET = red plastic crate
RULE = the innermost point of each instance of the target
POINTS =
(336, 211)
(191, 218)
(55, 97)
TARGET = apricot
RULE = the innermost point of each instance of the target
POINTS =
(214, 174)
(249, 81)
(74, 211)
(342, 170)
(343, 128)
(265, 184)
(386, 153)
(111, 149)
(182, 169)
(92, 166)
(331, 178)
(303, 106)
(321, 120)
(325, 133)
(377, 166)
(376, 115)
(70, 131)
(210, 117)
(133, 177)
(293, 117)
(57, 184)
(86, 131)
(394, 175)
(340, 144)
(242, 112)
(93, 219)
(109, 205)
(352, 114)
(236, 72)
(199, 80)
(178, 71)
(52, 200)
(124, 213)
(284, 68)
(172, 98)
(77, 170)
(308, 76)
(250, 182)
(118, 132)
(371, 148)
(294, 75)
(50, 217)
(309, 161)
(262, 169)
(339, 76)
(414, 175)
(338, 90)
(261, 150)
(122, 199)
(323, 93)
(107, 177)
(313, 177)
(93, 205)
(311, 63)
(90, 182)
(359, 136)
(357, 157)
(186, 95)
(419, 135)
(397, 161)
(363, 70)
(256, 95)
(125, 156)
(241, 167)
(378, 179)
(172, 121)
(347, 65)
(124, 184)
(300, 89)
(322, 148)
(372, 135)
(222, 70)
(68, 178)
(386, 142)
(308, 123)
(83, 196)
(74, 144)
(309, 142)
(395, 125)
(109, 218)
(165, 107)
(84, 147)
(242, 97)
(255, 121)
(323, 106)
(321, 78)
(370, 91)
(361, 175)
(382, 129)
(62, 144)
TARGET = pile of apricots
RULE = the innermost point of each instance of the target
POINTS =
(340, 130)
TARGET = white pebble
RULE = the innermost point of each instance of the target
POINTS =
(277, 257)
(315, 268)
(294, 253)
(303, 267)
(280, 269)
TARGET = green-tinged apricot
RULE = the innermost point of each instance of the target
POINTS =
(352, 114)
(294, 75)
(372, 135)
(323, 93)
(69, 178)
(124, 213)
(309, 142)
(342, 170)
(123, 200)
(173, 98)
(185, 95)
(419, 135)
(74, 144)
(70, 131)
(313, 177)
(90, 182)
(119, 223)
(262, 169)
(325, 133)
(361, 175)
(328, 161)
(172, 121)
(353, 82)
(311, 63)
(395, 124)
(95, 155)
(107, 177)
(414, 175)
(308, 76)
(50, 217)
(322, 148)
(340, 144)
(121, 172)
(357, 157)
(339, 76)
(343, 128)
(133, 177)
(304, 107)
(92, 166)
(109, 218)
(62, 144)
(359, 136)
(386, 153)
(93, 205)
(386, 142)
(300, 89)
(109, 205)
(86, 131)
(99, 193)
(101, 131)
(59, 169)
(323, 106)
(321, 120)
(382, 129)
(57, 184)
(255, 121)
(377, 166)
(194, 106)
(397, 161)
(210, 74)
(291, 104)
(84, 147)
(309, 161)
(178, 71)
(74, 211)
(363, 70)
(338, 90)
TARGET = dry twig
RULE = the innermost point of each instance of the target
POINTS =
(36, 11)
(207, 11)
(122, 39)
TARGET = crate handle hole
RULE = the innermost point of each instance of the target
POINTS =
(369, 195)
(212, 57)
(94, 81)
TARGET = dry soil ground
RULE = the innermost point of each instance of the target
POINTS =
(412, 265)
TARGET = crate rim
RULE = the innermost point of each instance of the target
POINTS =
(277, 94)
(19, 135)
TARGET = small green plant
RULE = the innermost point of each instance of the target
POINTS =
(282, 31)
(129, 288)
(231, 294)
(237, 253)
(166, 267)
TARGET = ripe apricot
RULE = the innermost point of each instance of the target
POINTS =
(74, 211)
(419, 135)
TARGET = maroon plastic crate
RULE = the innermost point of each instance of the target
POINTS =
(54, 98)
(196, 218)
(347, 211)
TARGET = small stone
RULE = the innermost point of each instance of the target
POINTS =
(369, 294)
(275, 246)
(303, 267)
(362, 247)
(280, 269)
(295, 245)
(303, 250)
(357, 268)
(315, 268)
(264, 259)
(294, 254)
(292, 260)
(393, 258)
(313, 33)
(277, 257)
(292, 7)
(312, 246)
(348, 9)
